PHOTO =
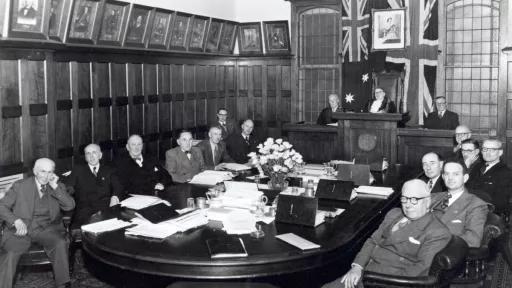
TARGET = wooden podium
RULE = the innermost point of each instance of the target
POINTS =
(368, 137)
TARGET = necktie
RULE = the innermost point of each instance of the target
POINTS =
(138, 160)
(188, 155)
(446, 201)
(44, 189)
(215, 153)
(400, 224)
(94, 171)
(484, 168)
(440, 114)
(246, 139)
(430, 184)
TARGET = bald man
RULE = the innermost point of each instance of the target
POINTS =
(405, 242)
(31, 211)
(442, 118)
(239, 145)
(325, 116)
(94, 186)
(139, 173)
(214, 150)
(185, 161)
(461, 133)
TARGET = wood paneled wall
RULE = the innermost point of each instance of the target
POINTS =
(56, 102)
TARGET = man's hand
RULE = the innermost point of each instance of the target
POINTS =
(21, 228)
(114, 200)
(53, 180)
(159, 186)
(352, 277)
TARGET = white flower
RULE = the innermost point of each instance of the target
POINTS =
(285, 170)
(279, 141)
(276, 168)
(287, 145)
(260, 146)
(252, 154)
(275, 147)
(288, 163)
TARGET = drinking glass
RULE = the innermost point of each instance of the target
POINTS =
(191, 203)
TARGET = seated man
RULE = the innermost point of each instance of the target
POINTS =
(138, 173)
(226, 125)
(31, 211)
(442, 118)
(462, 212)
(184, 161)
(492, 177)
(93, 185)
(405, 242)
(470, 150)
(325, 116)
(239, 145)
(214, 150)
(432, 167)
(462, 132)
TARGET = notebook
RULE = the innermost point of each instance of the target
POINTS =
(157, 213)
(226, 247)
(357, 173)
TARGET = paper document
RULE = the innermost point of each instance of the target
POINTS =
(148, 229)
(375, 190)
(105, 225)
(236, 166)
(137, 202)
(234, 186)
(297, 241)
(211, 177)
(240, 222)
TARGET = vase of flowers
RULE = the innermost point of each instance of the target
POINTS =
(276, 158)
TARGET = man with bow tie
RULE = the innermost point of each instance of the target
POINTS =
(405, 242)
(94, 186)
(31, 210)
(184, 161)
(432, 166)
(214, 150)
(442, 118)
(239, 145)
(462, 212)
(139, 173)
(226, 125)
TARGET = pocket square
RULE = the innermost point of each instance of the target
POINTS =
(456, 221)
(414, 241)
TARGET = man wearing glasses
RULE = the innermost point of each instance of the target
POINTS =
(442, 118)
(492, 177)
(470, 150)
(405, 242)
(462, 132)
(226, 125)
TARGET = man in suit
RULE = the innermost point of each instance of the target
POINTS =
(432, 167)
(462, 212)
(31, 212)
(492, 177)
(325, 116)
(94, 185)
(226, 124)
(405, 242)
(184, 161)
(239, 145)
(214, 150)
(462, 132)
(470, 153)
(442, 118)
(138, 173)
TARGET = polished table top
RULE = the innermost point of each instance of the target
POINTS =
(186, 254)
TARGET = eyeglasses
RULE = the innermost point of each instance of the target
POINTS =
(222, 114)
(485, 149)
(413, 200)
(468, 150)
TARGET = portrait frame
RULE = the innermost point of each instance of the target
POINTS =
(198, 28)
(213, 35)
(58, 18)
(388, 29)
(113, 22)
(159, 35)
(28, 19)
(227, 37)
(137, 32)
(84, 21)
(180, 31)
(249, 38)
(277, 37)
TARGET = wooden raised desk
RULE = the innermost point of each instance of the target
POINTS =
(316, 143)
(185, 255)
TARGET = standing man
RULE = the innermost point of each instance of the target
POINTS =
(95, 186)
(462, 212)
(31, 211)
(226, 124)
(470, 150)
(325, 116)
(184, 161)
(442, 118)
(432, 167)
(239, 145)
(405, 242)
(138, 173)
(214, 150)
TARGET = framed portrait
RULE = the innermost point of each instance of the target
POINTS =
(179, 31)
(84, 22)
(113, 22)
(137, 31)
(277, 37)
(160, 29)
(28, 19)
(388, 29)
(213, 35)
(198, 33)
(59, 16)
(249, 38)
(227, 37)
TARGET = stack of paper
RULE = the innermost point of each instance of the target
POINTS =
(105, 225)
(236, 167)
(137, 202)
(375, 190)
(190, 220)
(211, 177)
(219, 214)
(241, 194)
(241, 222)
(148, 229)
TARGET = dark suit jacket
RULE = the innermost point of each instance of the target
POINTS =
(206, 150)
(238, 147)
(180, 167)
(438, 186)
(140, 180)
(387, 106)
(406, 252)
(450, 121)
(495, 184)
(325, 116)
(92, 193)
(18, 203)
(228, 129)
(465, 217)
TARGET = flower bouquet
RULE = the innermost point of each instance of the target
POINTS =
(276, 158)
